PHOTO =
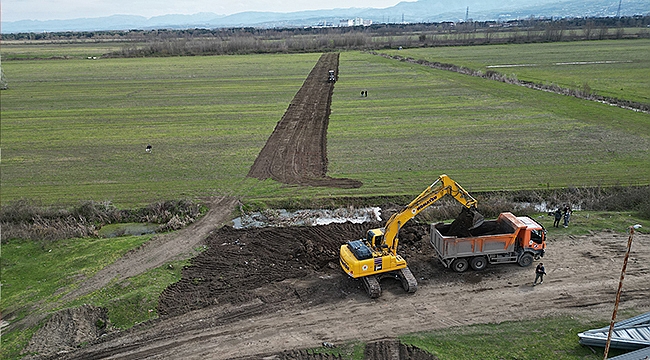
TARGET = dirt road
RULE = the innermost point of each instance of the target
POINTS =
(239, 300)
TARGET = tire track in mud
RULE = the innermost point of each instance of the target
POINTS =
(296, 151)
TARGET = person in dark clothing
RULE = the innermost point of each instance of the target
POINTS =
(558, 216)
(540, 271)
(567, 215)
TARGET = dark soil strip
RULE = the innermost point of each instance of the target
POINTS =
(493, 75)
(296, 151)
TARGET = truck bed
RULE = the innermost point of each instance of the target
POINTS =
(493, 237)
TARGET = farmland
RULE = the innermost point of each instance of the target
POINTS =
(75, 130)
(609, 68)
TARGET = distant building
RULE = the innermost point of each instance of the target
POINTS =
(354, 22)
(323, 24)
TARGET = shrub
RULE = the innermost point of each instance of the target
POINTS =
(25, 219)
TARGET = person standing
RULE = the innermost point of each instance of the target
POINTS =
(567, 215)
(540, 271)
(558, 216)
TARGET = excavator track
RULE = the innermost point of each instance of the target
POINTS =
(371, 283)
(409, 283)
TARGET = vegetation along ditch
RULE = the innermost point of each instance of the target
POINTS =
(29, 220)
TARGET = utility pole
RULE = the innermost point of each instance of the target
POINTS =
(467, 14)
(618, 292)
(618, 13)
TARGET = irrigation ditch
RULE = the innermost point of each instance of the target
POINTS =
(584, 93)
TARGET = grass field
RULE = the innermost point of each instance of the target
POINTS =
(35, 277)
(611, 68)
(76, 129)
(21, 50)
(551, 338)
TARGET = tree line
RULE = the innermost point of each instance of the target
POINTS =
(179, 42)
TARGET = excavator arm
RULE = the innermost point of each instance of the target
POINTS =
(441, 187)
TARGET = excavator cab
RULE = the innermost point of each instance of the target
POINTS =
(331, 77)
(375, 238)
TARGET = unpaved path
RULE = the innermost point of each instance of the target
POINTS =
(161, 249)
(296, 151)
(156, 252)
(309, 301)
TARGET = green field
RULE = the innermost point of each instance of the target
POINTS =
(21, 50)
(76, 129)
(612, 68)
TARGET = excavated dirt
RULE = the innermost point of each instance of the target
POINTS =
(296, 151)
(395, 350)
(67, 329)
(240, 266)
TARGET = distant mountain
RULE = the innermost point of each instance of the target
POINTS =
(411, 12)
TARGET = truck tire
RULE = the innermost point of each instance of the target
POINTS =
(460, 265)
(525, 260)
(478, 263)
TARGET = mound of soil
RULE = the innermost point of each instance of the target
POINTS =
(375, 350)
(296, 151)
(261, 264)
(395, 350)
(67, 330)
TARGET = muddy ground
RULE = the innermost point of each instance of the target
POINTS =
(273, 292)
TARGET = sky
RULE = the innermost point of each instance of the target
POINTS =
(14, 10)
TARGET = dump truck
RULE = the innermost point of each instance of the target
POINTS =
(375, 256)
(508, 239)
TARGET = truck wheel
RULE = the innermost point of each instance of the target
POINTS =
(525, 260)
(478, 263)
(459, 265)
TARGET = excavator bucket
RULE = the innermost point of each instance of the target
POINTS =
(477, 219)
(467, 220)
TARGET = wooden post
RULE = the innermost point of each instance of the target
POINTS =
(618, 293)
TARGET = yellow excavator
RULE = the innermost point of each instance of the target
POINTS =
(375, 257)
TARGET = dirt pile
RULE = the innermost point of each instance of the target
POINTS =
(67, 330)
(375, 350)
(395, 350)
(262, 264)
(296, 355)
(296, 151)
